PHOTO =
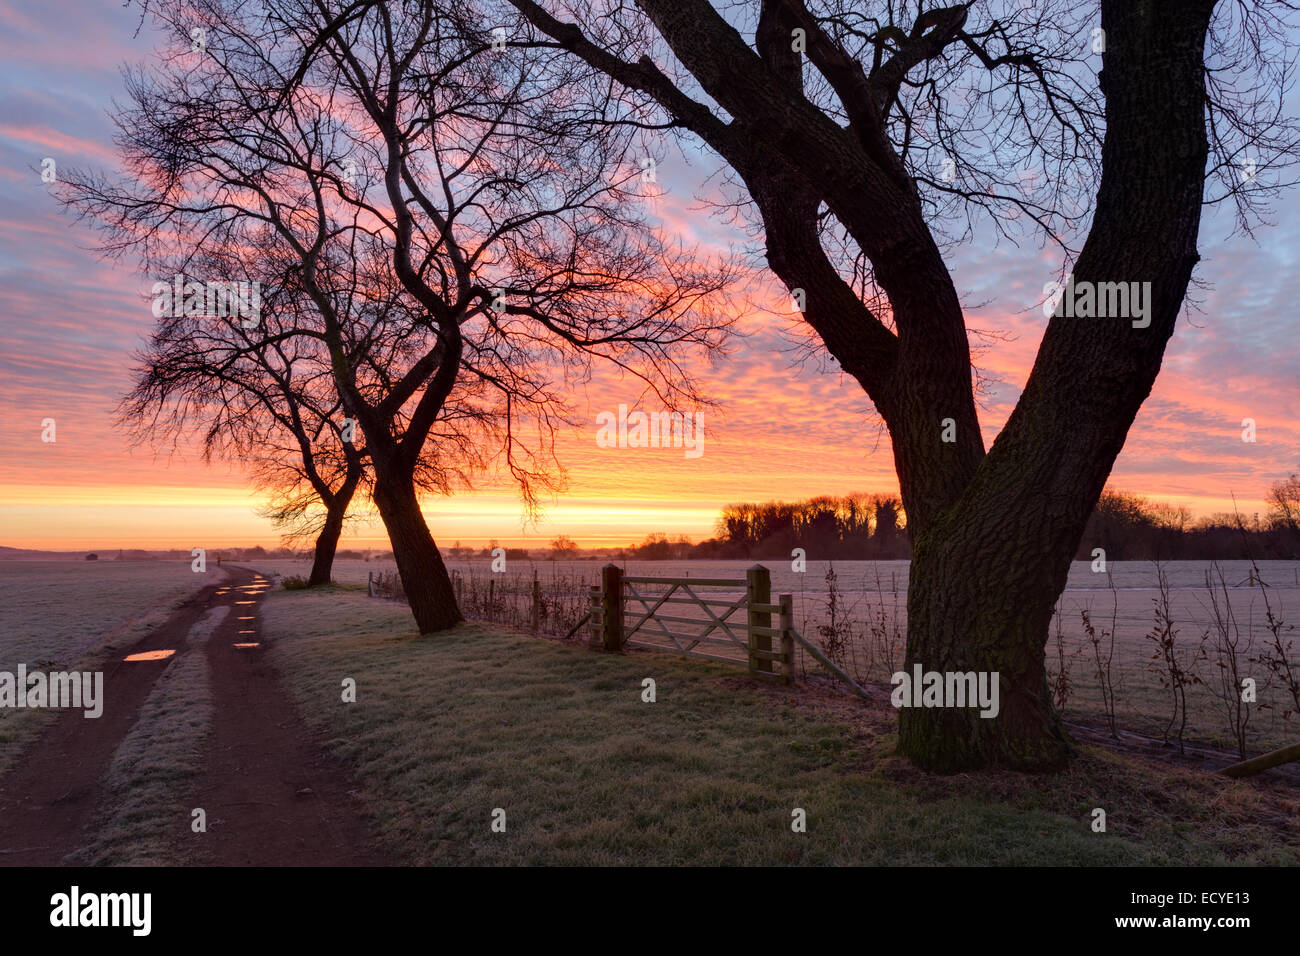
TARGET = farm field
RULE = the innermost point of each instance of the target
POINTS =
(67, 615)
(865, 633)
(55, 611)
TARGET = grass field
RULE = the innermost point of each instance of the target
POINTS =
(869, 628)
(68, 615)
(447, 730)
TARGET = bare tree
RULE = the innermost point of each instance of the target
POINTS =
(271, 404)
(869, 137)
(1284, 505)
(417, 172)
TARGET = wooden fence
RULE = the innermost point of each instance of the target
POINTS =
(743, 627)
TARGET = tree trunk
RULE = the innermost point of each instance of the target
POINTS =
(327, 543)
(428, 587)
(980, 600)
(336, 512)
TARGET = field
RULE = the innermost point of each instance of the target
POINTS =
(448, 734)
(865, 631)
(68, 615)
(447, 731)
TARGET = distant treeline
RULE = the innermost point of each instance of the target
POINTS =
(228, 554)
(1132, 528)
(1128, 527)
(857, 526)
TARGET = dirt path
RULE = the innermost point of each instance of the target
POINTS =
(270, 795)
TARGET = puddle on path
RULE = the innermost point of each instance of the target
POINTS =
(149, 656)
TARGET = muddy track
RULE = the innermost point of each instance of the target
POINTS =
(271, 796)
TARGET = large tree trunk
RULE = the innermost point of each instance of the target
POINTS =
(987, 571)
(428, 587)
(980, 599)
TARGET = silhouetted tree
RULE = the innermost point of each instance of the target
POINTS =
(1284, 504)
(869, 135)
(255, 394)
(563, 547)
(1284, 516)
(424, 179)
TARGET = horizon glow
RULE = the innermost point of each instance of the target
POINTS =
(780, 430)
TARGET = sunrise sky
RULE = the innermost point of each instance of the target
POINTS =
(69, 322)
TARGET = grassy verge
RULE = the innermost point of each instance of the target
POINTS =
(155, 761)
(446, 730)
(866, 633)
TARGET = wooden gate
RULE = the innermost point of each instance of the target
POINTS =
(654, 613)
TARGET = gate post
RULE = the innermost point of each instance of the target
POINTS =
(787, 638)
(611, 583)
(758, 581)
